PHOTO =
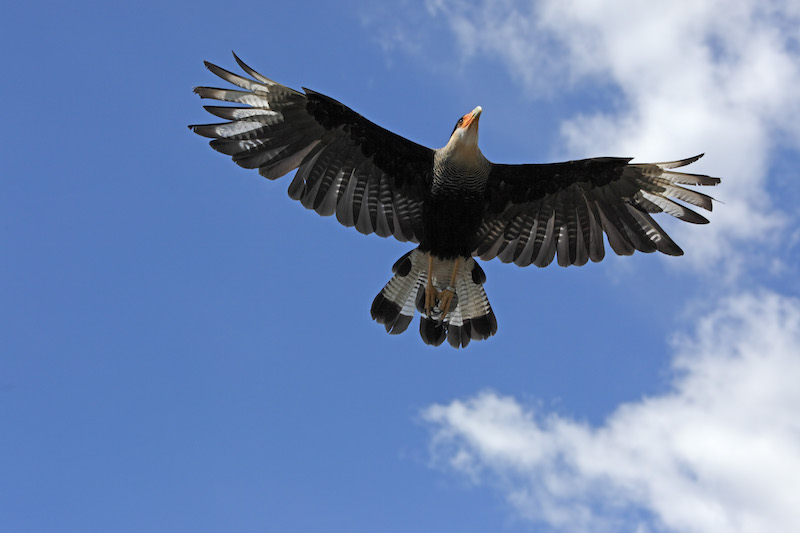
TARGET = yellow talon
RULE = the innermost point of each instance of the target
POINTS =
(445, 299)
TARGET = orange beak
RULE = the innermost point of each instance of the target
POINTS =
(471, 117)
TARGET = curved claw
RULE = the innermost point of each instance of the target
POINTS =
(430, 298)
(445, 300)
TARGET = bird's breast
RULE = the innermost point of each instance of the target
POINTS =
(451, 215)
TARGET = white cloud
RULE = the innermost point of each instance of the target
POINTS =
(691, 76)
(719, 453)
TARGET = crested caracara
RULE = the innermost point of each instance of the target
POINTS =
(452, 201)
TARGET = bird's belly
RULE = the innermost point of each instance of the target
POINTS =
(450, 225)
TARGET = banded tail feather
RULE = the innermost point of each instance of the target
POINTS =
(451, 201)
(470, 316)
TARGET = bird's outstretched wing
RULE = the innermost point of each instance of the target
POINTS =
(368, 176)
(535, 212)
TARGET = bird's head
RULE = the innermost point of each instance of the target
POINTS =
(464, 139)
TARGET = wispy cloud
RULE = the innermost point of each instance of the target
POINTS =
(719, 453)
(689, 76)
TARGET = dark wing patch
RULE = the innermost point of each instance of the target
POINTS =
(367, 176)
(538, 212)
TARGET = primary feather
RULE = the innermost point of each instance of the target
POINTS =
(452, 201)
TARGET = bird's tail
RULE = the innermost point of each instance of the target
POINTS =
(470, 316)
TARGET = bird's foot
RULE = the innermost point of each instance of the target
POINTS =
(447, 295)
(430, 298)
(445, 300)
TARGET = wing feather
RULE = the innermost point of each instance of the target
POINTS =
(536, 213)
(369, 177)
(545, 218)
(547, 251)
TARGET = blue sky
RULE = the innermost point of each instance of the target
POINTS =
(186, 349)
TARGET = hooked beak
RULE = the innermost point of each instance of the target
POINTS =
(471, 117)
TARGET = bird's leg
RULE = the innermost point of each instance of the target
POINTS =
(446, 296)
(430, 291)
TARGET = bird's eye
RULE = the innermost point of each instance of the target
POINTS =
(458, 124)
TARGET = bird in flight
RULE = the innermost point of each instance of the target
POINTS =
(451, 201)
